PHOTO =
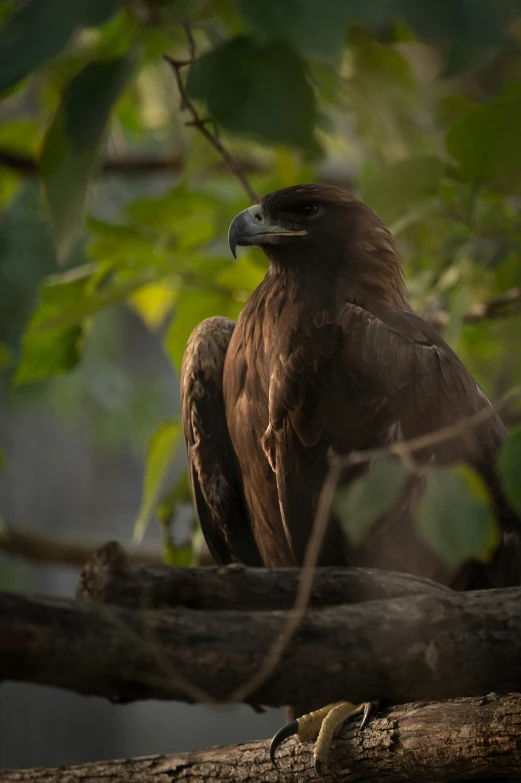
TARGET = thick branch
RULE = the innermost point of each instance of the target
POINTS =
(109, 578)
(417, 742)
(433, 646)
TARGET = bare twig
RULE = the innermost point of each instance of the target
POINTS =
(201, 124)
(404, 448)
(506, 304)
(300, 606)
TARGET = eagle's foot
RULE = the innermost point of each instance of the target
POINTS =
(323, 726)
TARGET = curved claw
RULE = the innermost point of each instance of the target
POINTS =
(289, 730)
(369, 710)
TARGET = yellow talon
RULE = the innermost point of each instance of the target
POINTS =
(322, 725)
(310, 725)
(331, 725)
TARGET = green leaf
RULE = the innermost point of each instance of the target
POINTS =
(192, 307)
(39, 29)
(455, 516)
(48, 352)
(485, 141)
(160, 454)
(307, 27)
(72, 143)
(403, 186)
(26, 257)
(180, 556)
(368, 497)
(262, 91)
(509, 467)
(470, 29)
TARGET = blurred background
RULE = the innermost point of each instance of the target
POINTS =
(114, 211)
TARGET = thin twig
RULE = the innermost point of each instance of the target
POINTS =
(404, 448)
(201, 124)
(303, 595)
(506, 304)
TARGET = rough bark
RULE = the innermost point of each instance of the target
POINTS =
(417, 742)
(434, 646)
(109, 577)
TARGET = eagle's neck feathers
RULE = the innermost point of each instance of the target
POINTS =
(367, 272)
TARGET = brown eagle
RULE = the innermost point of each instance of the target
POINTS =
(326, 357)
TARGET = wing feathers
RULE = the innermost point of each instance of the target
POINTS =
(386, 369)
(212, 463)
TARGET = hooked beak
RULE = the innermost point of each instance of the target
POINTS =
(251, 227)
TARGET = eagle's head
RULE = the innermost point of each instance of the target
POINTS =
(324, 229)
(303, 219)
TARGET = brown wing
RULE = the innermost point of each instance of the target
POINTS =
(214, 474)
(368, 372)
(359, 382)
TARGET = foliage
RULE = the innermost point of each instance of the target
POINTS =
(366, 498)
(509, 463)
(414, 105)
(455, 515)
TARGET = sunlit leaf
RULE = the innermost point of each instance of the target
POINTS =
(368, 497)
(509, 467)
(192, 307)
(455, 516)
(91, 301)
(72, 144)
(153, 302)
(242, 275)
(181, 556)
(257, 90)
(485, 141)
(39, 29)
(120, 245)
(160, 454)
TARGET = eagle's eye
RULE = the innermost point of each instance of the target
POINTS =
(307, 210)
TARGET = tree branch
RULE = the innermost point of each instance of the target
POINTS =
(469, 738)
(108, 577)
(506, 304)
(66, 550)
(233, 165)
(28, 166)
(433, 646)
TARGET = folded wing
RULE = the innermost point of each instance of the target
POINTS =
(212, 464)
